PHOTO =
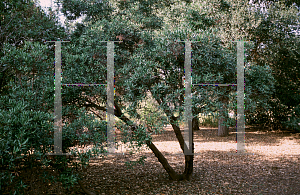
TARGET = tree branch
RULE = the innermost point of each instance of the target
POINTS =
(173, 175)
(175, 127)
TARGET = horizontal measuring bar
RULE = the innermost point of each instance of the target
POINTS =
(58, 41)
(82, 84)
(110, 41)
(216, 84)
(187, 41)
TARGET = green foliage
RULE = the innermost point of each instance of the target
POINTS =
(22, 21)
(209, 121)
(259, 89)
(282, 57)
(22, 129)
(94, 10)
(155, 118)
(148, 61)
(286, 2)
(68, 179)
(199, 20)
(293, 122)
(279, 55)
(26, 125)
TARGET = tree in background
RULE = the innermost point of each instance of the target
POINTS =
(230, 20)
(236, 20)
(281, 54)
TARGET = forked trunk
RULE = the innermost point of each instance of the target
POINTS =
(189, 159)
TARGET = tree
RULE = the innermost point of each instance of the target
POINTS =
(160, 72)
(165, 59)
(135, 79)
(241, 20)
(282, 57)
(234, 15)
(23, 21)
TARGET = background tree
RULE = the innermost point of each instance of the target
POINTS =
(230, 21)
(236, 20)
(280, 53)
(271, 35)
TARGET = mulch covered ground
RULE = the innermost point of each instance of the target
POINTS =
(271, 166)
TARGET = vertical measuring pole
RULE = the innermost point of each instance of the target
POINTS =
(110, 98)
(188, 131)
(57, 102)
(188, 117)
(240, 136)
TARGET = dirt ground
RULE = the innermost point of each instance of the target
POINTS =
(270, 166)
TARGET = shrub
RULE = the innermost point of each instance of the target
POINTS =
(26, 123)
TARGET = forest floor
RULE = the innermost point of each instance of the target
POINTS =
(270, 166)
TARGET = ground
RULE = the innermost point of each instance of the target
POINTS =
(271, 166)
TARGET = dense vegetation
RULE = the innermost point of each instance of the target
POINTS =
(148, 61)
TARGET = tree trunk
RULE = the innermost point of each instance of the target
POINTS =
(222, 128)
(196, 123)
(164, 162)
(189, 166)
(189, 159)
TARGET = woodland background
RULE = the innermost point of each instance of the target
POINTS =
(149, 78)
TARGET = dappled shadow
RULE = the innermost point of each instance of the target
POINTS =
(270, 166)
(253, 135)
(215, 172)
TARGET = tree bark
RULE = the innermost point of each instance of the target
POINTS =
(196, 123)
(189, 166)
(172, 174)
(222, 128)
(189, 159)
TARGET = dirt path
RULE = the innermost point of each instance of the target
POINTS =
(271, 167)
